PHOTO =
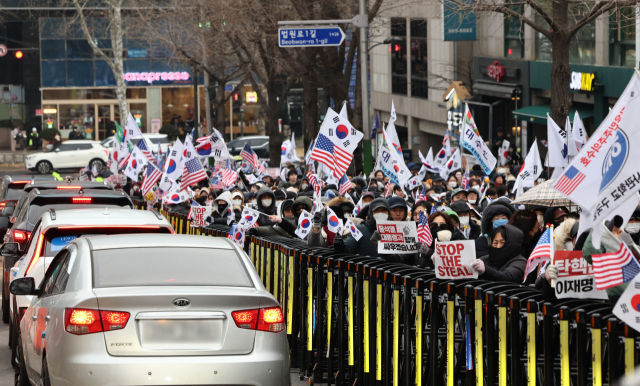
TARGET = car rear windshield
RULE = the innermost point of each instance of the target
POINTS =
(56, 239)
(14, 192)
(141, 267)
(35, 211)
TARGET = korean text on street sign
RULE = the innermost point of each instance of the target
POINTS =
(310, 37)
(453, 259)
(575, 277)
(199, 215)
(397, 237)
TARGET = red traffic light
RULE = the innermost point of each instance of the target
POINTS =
(19, 54)
(235, 97)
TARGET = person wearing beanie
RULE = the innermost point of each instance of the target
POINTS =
(469, 228)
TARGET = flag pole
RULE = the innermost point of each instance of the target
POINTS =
(552, 241)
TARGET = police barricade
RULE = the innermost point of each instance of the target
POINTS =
(356, 320)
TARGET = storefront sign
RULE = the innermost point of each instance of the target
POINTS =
(252, 97)
(582, 81)
(156, 124)
(495, 71)
(397, 237)
(150, 77)
(453, 259)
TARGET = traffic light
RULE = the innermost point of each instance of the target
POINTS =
(237, 103)
(19, 54)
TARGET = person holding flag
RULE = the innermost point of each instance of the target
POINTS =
(504, 263)
(336, 143)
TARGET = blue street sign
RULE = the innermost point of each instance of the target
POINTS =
(459, 24)
(310, 36)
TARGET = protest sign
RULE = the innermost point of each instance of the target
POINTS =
(628, 307)
(575, 277)
(453, 259)
(273, 172)
(199, 215)
(397, 237)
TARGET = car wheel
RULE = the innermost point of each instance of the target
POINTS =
(44, 374)
(20, 368)
(98, 163)
(44, 167)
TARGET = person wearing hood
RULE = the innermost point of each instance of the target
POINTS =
(527, 222)
(503, 263)
(496, 214)
(219, 214)
(555, 216)
(377, 210)
(562, 234)
(237, 198)
(320, 235)
(269, 223)
(285, 211)
(633, 226)
(462, 210)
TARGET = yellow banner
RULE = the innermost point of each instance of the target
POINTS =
(531, 349)
(276, 273)
(350, 320)
(628, 358)
(596, 356)
(378, 332)
(502, 346)
(564, 353)
(479, 345)
(418, 340)
(365, 310)
(309, 309)
(450, 336)
(290, 298)
(268, 268)
(329, 305)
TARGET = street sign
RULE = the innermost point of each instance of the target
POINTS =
(3, 50)
(310, 36)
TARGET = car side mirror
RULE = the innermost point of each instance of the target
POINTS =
(7, 211)
(9, 250)
(23, 286)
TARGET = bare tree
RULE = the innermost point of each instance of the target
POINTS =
(116, 34)
(564, 18)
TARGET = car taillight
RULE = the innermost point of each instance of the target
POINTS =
(83, 321)
(21, 236)
(263, 319)
(69, 187)
(36, 254)
(3, 204)
(81, 200)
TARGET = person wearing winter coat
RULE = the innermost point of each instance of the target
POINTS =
(378, 210)
(462, 210)
(496, 214)
(269, 223)
(504, 262)
(527, 222)
(320, 235)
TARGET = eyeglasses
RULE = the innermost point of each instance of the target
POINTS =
(437, 224)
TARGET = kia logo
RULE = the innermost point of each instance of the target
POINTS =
(182, 303)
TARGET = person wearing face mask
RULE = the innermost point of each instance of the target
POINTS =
(378, 210)
(496, 214)
(269, 222)
(135, 190)
(527, 222)
(561, 232)
(472, 196)
(285, 211)
(633, 226)
(555, 215)
(452, 182)
(459, 194)
(237, 198)
(503, 263)
(219, 209)
(468, 227)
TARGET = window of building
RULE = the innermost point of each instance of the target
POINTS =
(514, 34)
(399, 56)
(622, 37)
(582, 49)
(419, 73)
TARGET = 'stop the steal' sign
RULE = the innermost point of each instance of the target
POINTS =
(397, 237)
(199, 215)
(453, 259)
(310, 37)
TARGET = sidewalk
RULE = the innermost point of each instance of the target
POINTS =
(15, 158)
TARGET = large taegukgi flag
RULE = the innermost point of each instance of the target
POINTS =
(605, 174)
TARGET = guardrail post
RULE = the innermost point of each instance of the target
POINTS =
(549, 345)
(565, 363)
(629, 351)
(516, 342)
(478, 295)
(613, 344)
(434, 378)
(532, 309)
(491, 338)
(582, 354)
(321, 286)
(596, 349)
(470, 328)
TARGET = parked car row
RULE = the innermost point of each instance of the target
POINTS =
(101, 293)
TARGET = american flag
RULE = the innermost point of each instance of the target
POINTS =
(142, 145)
(229, 177)
(433, 210)
(569, 181)
(250, 156)
(614, 268)
(345, 185)
(541, 253)
(151, 176)
(387, 187)
(423, 194)
(159, 154)
(337, 159)
(424, 233)
(192, 174)
(203, 139)
(124, 161)
(465, 179)
(216, 182)
(313, 181)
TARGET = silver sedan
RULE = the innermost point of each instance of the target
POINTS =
(151, 310)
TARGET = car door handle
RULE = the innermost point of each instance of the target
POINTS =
(48, 317)
(35, 317)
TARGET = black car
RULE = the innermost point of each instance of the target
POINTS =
(259, 144)
(36, 203)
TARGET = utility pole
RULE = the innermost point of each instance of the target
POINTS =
(362, 21)
(195, 101)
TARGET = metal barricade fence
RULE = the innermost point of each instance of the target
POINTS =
(356, 320)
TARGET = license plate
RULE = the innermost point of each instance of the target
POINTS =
(181, 334)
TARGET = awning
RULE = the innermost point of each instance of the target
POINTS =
(538, 113)
(503, 90)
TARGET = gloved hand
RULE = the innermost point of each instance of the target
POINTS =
(375, 237)
(317, 219)
(478, 265)
(422, 247)
(209, 219)
(338, 244)
(551, 273)
(275, 219)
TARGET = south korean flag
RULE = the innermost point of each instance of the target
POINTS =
(304, 224)
(137, 162)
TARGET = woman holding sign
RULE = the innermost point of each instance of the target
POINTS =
(504, 261)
